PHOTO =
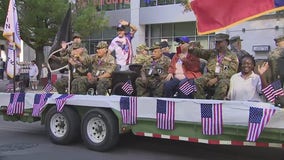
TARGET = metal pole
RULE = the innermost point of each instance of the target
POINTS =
(14, 56)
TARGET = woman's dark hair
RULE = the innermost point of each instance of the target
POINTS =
(248, 56)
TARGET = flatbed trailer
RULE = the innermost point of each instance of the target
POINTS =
(100, 119)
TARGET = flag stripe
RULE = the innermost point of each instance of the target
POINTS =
(211, 119)
(128, 110)
(258, 118)
(165, 114)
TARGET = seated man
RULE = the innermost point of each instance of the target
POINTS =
(183, 66)
(103, 64)
(78, 58)
(246, 85)
(222, 64)
(153, 74)
(142, 55)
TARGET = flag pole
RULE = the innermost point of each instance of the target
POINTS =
(14, 56)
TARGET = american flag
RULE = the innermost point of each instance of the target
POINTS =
(211, 119)
(165, 114)
(272, 90)
(127, 87)
(128, 110)
(188, 87)
(61, 100)
(258, 118)
(39, 102)
(48, 88)
(17, 104)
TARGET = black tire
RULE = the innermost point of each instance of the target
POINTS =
(99, 130)
(68, 132)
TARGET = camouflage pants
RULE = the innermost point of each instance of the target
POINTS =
(221, 88)
(152, 85)
(81, 85)
(61, 85)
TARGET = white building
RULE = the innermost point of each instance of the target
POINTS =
(165, 20)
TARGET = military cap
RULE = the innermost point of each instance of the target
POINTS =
(142, 47)
(164, 44)
(279, 38)
(235, 38)
(221, 37)
(76, 45)
(76, 35)
(120, 27)
(156, 45)
(102, 44)
(182, 39)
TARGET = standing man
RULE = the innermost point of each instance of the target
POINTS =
(103, 64)
(236, 47)
(122, 46)
(33, 72)
(222, 64)
(274, 59)
(2, 66)
(153, 74)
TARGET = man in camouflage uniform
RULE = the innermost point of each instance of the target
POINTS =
(142, 55)
(222, 64)
(103, 64)
(274, 57)
(79, 62)
(153, 74)
(236, 48)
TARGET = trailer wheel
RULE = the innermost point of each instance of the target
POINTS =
(62, 127)
(99, 130)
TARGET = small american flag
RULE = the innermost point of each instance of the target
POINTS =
(258, 118)
(211, 119)
(48, 88)
(188, 87)
(39, 102)
(17, 104)
(272, 90)
(127, 87)
(165, 114)
(128, 110)
(61, 100)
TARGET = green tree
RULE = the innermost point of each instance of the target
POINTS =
(39, 21)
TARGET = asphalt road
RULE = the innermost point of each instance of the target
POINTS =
(28, 141)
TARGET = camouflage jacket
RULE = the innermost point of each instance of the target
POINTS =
(158, 68)
(272, 61)
(141, 59)
(103, 65)
(228, 64)
(239, 53)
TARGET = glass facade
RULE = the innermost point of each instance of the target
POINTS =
(157, 33)
(168, 32)
(149, 3)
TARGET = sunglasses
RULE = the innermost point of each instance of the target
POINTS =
(181, 43)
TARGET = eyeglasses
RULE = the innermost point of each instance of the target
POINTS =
(181, 43)
(100, 48)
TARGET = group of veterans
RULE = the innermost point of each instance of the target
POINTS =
(219, 73)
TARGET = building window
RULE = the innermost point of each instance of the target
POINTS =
(149, 3)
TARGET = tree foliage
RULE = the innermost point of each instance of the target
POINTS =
(39, 21)
(87, 20)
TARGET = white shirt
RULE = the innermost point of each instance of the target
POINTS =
(33, 70)
(245, 89)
